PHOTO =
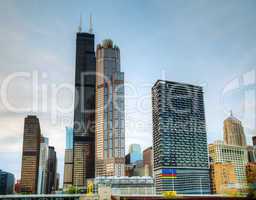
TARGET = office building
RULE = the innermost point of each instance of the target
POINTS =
(234, 131)
(179, 138)
(148, 159)
(30, 154)
(223, 177)
(237, 155)
(110, 132)
(84, 111)
(68, 160)
(6, 183)
(43, 165)
(52, 170)
(17, 186)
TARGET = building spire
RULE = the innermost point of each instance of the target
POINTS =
(80, 25)
(231, 113)
(90, 24)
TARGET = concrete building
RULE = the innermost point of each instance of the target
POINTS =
(237, 155)
(179, 138)
(234, 131)
(43, 166)
(110, 130)
(6, 183)
(84, 111)
(30, 154)
(135, 153)
(223, 177)
(127, 185)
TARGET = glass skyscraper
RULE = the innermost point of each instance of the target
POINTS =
(110, 135)
(69, 138)
(135, 153)
(179, 138)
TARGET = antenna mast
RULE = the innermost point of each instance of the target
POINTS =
(90, 24)
(80, 25)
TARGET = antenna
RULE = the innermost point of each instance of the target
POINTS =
(90, 24)
(80, 25)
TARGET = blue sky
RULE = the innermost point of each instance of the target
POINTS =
(209, 43)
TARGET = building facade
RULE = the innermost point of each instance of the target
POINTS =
(237, 155)
(179, 138)
(110, 130)
(135, 153)
(43, 166)
(234, 131)
(84, 112)
(30, 154)
(223, 177)
(6, 183)
(251, 154)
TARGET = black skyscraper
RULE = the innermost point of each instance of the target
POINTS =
(84, 113)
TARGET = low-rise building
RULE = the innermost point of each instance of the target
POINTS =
(237, 155)
(126, 185)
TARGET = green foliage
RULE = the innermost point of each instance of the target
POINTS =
(169, 194)
(73, 190)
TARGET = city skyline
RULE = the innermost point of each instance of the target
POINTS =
(170, 64)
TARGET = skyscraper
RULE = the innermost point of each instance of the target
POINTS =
(84, 113)
(179, 138)
(30, 154)
(110, 135)
(43, 165)
(135, 153)
(52, 170)
(68, 160)
(234, 131)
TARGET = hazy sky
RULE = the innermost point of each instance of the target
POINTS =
(209, 43)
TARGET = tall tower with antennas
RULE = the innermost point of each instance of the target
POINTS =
(84, 110)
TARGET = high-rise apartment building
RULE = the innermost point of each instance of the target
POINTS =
(179, 138)
(237, 155)
(52, 170)
(43, 165)
(30, 154)
(223, 177)
(135, 153)
(68, 160)
(110, 133)
(84, 112)
(234, 131)
(6, 183)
